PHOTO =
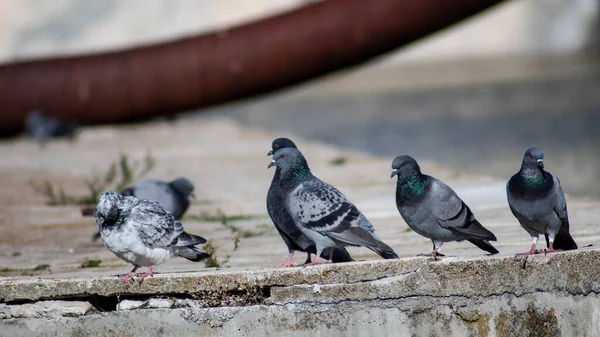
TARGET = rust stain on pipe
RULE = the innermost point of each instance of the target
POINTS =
(221, 66)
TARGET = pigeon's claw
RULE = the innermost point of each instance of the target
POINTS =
(126, 277)
(150, 272)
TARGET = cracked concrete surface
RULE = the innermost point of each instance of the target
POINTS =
(550, 295)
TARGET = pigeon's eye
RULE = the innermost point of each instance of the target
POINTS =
(529, 155)
(282, 156)
(403, 164)
(276, 146)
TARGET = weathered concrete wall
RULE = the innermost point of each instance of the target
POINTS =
(553, 295)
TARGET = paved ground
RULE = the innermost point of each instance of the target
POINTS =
(477, 116)
(227, 163)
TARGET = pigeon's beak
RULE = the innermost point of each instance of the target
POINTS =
(272, 163)
(270, 153)
(540, 163)
(192, 195)
(394, 172)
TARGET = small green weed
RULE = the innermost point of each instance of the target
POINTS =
(119, 174)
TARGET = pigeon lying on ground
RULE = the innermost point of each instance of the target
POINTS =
(433, 210)
(322, 212)
(142, 233)
(173, 196)
(538, 202)
(41, 127)
(289, 231)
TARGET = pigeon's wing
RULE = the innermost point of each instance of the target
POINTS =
(452, 213)
(321, 207)
(156, 227)
(561, 202)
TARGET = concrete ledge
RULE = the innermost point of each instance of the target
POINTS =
(574, 273)
(548, 295)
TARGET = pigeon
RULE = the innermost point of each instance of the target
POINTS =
(538, 202)
(289, 231)
(433, 210)
(322, 212)
(173, 196)
(141, 232)
(42, 127)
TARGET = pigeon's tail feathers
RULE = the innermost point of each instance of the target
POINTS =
(96, 236)
(477, 231)
(88, 210)
(186, 239)
(358, 236)
(339, 255)
(384, 251)
(485, 245)
(563, 240)
(192, 253)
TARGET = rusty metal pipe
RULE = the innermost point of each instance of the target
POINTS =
(220, 66)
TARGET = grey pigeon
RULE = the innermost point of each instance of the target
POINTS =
(41, 127)
(321, 212)
(433, 210)
(141, 232)
(289, 231)
(538, 202)
(172, 196)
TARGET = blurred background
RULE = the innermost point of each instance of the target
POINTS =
(473, 97)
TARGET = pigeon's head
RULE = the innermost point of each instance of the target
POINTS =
(290, 160)
(534, 157)
(404, 166)
(183, 186)
(281, 143)
(107, 211)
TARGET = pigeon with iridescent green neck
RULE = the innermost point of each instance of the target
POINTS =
(320, 211)
(538, 202)
(293, 237)
(433, 210)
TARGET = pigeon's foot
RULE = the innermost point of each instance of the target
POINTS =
(551, 249)
(126, 277)
(287, 264)
(532, 251)
(150, 272)
(317, 260)
(432, 254)
(290, 261)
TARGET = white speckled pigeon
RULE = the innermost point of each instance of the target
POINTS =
(172, 196)
(433, 210)
(293, 237)
(142, 233)
(538, 202)
(321, 211)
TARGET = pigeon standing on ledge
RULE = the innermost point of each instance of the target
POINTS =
(538, 202)
(321, 212)
(174, 196)
(293, 237)
(433, 210)
(142, 233)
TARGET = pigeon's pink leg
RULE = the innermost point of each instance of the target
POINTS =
(436, 246)
(290, 262)
(551, 249)
(126, 277)
(534, 240)
(530, 252)
(318, 260)
(149, 273)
